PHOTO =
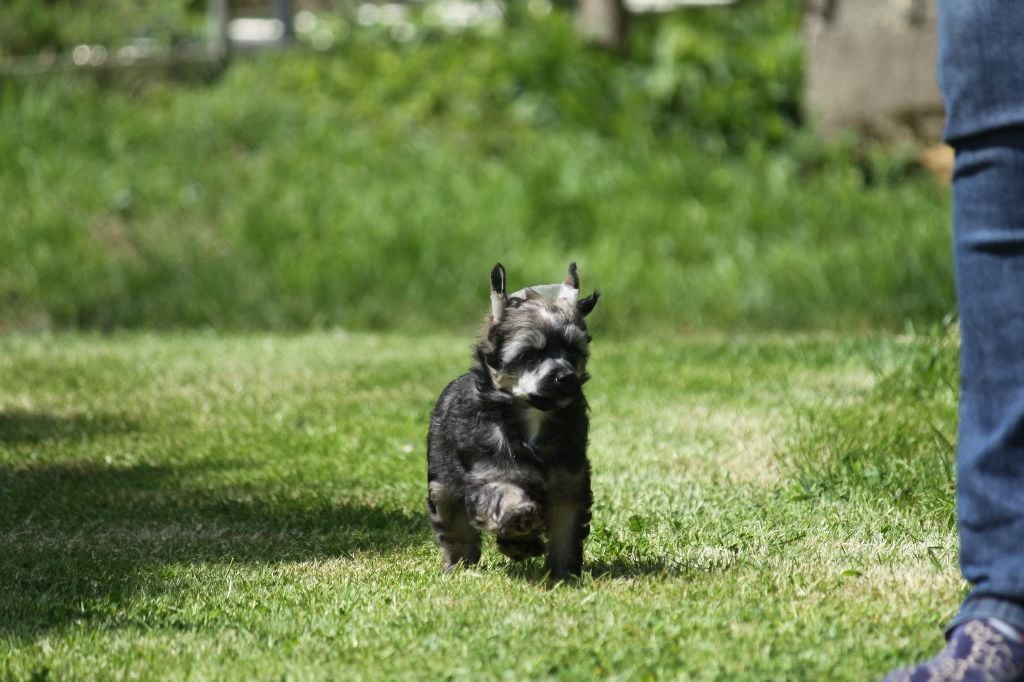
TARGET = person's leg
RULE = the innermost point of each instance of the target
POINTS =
(988, 223)
(988, 227)
(982, 82)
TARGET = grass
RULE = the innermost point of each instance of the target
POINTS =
(373, 186)
(186, 504)
(197, 506)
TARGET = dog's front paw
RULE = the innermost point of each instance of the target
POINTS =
(522, 519)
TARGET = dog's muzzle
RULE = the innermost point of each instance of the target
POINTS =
(556, 389)
(566, 382)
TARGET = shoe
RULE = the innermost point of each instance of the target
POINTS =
(977, 651)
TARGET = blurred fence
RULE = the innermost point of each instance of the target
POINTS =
(97, 36)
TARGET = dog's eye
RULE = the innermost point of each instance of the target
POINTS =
(529, 355)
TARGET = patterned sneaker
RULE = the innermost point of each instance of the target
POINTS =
(977, 651)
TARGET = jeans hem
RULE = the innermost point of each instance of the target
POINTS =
(989, 607)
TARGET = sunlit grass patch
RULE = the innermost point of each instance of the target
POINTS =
(893, 445)
(251, 507)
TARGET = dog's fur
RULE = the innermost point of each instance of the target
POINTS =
(507, 447)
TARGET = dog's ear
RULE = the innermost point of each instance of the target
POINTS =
(570, 288)
(498, 298)
(585, 305)
(572, 278)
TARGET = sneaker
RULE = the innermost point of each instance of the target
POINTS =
(977, 651)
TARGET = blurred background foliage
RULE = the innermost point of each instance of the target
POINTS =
(33, 26)
(370, 177)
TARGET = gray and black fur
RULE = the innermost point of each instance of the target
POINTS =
(507, 447)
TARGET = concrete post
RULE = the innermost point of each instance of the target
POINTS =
(602, 22)
(284, 11)
(871, 65)
(219, 12)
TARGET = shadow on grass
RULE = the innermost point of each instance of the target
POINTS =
(20, 426)
(627, 569)
(78, 541)
(656, 567)
(534, 571)
(617, 569)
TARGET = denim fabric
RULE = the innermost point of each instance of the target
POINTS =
(981, 73)
(988, 229)
(981, 65)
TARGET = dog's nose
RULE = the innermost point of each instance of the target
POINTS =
(566, 379)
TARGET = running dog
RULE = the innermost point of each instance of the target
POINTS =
(507, 446)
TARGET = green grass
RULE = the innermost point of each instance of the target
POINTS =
(373, 187)
(251, 507)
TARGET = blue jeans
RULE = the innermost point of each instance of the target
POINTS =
(988, 229)
(981, 73)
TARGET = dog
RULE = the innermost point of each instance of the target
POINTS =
(507, 443)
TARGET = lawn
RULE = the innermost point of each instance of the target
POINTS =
(772, 501)
(373, 186)
(251, 507)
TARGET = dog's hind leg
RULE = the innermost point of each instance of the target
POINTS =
(459, 540)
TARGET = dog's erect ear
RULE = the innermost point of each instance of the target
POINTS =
(498, 298)
(569, 290)
(572, 278)
(585, 305)
(498, 279)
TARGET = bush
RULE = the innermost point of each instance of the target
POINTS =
(31, 26)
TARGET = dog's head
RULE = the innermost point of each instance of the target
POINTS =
(534, 345)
